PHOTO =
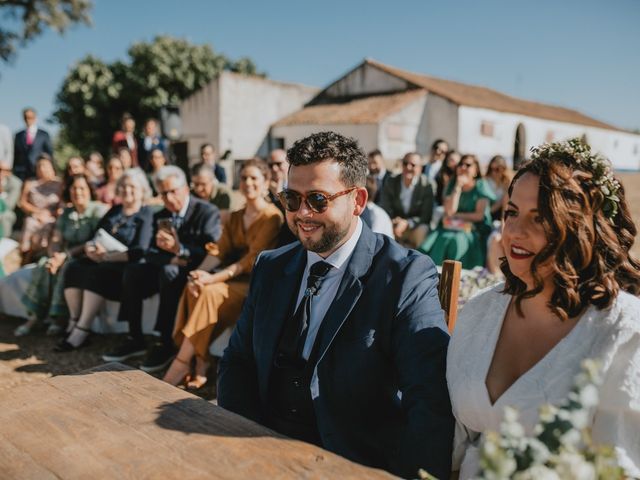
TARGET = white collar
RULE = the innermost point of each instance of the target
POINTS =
(341, 256)
(183, 210)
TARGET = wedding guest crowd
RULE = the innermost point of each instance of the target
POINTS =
(300, 255)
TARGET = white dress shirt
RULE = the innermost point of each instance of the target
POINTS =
(321, 302)
(407, 192)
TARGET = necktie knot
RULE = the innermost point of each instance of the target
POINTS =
(317, 272)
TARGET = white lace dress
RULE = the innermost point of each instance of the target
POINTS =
(612, 335)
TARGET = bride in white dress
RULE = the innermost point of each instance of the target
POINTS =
(570, 294)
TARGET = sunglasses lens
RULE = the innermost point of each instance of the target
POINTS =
(290, 200)
(317, 202)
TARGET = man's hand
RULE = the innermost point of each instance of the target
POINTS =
(400, 225)
(168, 241)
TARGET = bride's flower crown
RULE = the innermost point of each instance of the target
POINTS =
(577, 153)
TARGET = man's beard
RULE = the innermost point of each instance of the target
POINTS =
(331, 237)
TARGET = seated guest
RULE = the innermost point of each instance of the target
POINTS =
(107, 193)
(208, 156)
(439, 149)
(157, 160)
(148, 142)
(126, 137)
(463, 231)
(378, 169)
(212, 300)
(374, 215)
(10, 188)
(408, 199)
(39, 201)
(498, 179)
(341, 341)
(570, 294)
(90, 280)
(181, 231)
(279, 167)
(76, 225)
(206, 186)
(75, 166)
(444, 175)
(125, 156)
(95, 169)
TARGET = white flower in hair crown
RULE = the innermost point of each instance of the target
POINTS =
(579, 153)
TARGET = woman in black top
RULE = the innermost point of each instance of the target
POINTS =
(99, 276)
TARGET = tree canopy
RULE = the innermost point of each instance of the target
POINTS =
(95, 94)
(23, 20)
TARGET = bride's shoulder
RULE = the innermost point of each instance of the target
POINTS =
(482, 308)
(627, 308)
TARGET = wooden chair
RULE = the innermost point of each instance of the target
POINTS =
(448, 291)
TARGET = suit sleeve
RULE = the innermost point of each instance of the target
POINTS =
(238, 375)
(211, 231)
(426, 210)
(419, 343)
(386, 198)
(47, 146)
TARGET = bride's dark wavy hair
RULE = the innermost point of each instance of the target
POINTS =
(588, 252)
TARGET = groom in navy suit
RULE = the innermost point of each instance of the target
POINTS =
(342, 341)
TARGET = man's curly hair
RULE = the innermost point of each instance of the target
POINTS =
(588, 252)
(330, 145)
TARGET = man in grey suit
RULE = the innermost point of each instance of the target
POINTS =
(342, 340)
(408, 199)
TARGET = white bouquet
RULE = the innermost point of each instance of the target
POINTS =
(561, 447)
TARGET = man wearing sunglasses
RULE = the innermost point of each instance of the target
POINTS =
(342, 341)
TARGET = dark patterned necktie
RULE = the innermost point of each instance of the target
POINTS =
(317, 272)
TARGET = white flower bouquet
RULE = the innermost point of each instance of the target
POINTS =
(561, 447)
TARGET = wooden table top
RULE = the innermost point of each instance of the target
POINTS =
(117, 422)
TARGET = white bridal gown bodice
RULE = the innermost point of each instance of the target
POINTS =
(611, 336)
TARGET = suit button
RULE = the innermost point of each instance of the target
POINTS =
(297, 383)
(293, 411)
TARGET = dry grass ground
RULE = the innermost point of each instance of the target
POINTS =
(31, 358)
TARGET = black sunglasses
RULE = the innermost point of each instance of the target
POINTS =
(316, 201)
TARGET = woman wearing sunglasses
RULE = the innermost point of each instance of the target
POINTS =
(462, 233)
(213, 297)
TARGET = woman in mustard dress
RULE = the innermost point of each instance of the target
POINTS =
(212, 300)
(462, 234)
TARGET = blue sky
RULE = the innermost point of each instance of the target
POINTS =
(578, 54)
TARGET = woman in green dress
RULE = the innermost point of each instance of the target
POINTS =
(44, 296)
(462, 233)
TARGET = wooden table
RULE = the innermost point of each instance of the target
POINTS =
(117, 422)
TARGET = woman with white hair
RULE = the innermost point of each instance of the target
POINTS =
(99, 276)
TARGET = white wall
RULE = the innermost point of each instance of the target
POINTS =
(401, 132)
(248, 107)
(200, 115)
(622, 148)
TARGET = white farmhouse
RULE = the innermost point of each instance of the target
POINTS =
(234, 112)
(399, 111)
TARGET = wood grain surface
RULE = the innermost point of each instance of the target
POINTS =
(117, 422)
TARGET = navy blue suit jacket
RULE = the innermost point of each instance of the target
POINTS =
(25, 156)
(379, 388)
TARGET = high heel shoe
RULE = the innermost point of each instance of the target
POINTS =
(179, 371)
(64, 346)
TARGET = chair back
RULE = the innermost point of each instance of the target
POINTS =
(448, 291)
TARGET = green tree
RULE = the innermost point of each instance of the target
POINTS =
(26, 19)
(94, 95)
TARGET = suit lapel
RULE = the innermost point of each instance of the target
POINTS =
(416, 197)
(188, 213)
(349, 291)
(277, 311)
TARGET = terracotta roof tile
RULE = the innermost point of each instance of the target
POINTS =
(365, 110)
(482, 97)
